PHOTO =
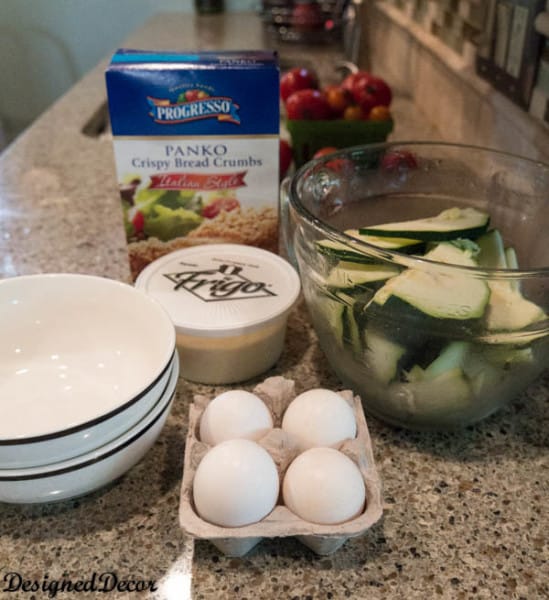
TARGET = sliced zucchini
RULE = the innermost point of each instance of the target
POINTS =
(465, 244)
(492, 251)
(511, 258)
(343, 252)
(351, 331)
(398, 244)
(416, 373)
(345, 295)
(382, 356)
(338, 318)
(348, 275)
(332, 313)
(482, 374)
(512, 263)
(445, 395)
(509, 310)
(452, 357)
(494, 255)
(448, 225)
(506, 357)
(439, 295)
(450, 253)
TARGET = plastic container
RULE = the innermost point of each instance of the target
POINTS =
(277, 393)
(229, 304)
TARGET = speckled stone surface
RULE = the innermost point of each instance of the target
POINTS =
(465, 513)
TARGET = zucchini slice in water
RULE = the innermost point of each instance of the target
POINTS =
(438, 294)
(452, 356)
(507, 309)
(382, 356)
(348, 275)
(443, 396)
(333, 311)
(492, 251)
(341, 322)
(343, 252)
(448, 225)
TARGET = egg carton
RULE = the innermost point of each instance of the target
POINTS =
(277, 393)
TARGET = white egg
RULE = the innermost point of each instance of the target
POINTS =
(319, 417)
(235, 414)
(235, 484)
(324, 486)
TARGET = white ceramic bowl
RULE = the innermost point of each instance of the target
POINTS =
(91, 471)
(47, 450)
(82, 359)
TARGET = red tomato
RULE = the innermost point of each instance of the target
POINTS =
(213, 208)
(368, 90)
(338, 98)
(138, 222)
(324, 151)
(398, 159)
(298, 78)
(353, 113)
(286, 158)
(307, 104)
(380, 113)
(336, 164)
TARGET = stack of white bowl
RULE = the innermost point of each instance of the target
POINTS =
(88, 371)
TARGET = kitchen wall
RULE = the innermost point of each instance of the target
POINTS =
(47, 45)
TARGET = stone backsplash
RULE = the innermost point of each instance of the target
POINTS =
(427, 49)
(458, 24)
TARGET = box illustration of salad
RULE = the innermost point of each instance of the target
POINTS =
(196, 144)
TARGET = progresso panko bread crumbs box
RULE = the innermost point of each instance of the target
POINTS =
(196, 144)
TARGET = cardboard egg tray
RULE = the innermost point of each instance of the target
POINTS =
(277, 393)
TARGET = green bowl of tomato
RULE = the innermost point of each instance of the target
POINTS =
(336, 116)
(310, 136)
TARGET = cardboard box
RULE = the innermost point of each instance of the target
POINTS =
(196, 143)
(277, 393)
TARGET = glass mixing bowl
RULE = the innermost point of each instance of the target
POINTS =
(435, 323)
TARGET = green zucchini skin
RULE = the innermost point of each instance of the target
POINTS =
(341, 252)
(423, 336)
(395, 244)
(450, 224)
(345, 253)
(348, 275)
(351, 332)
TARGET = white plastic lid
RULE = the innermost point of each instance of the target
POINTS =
(220, 290)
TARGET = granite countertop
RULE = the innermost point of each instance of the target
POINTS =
(465, 513)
